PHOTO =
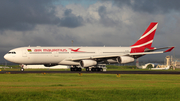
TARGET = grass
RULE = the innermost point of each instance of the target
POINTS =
(90, 87)
(120, 67)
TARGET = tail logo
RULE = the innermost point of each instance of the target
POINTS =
(75, 50)
(147, 38)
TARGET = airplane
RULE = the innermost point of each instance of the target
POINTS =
(90, 58)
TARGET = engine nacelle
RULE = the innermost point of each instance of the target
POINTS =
(121, 60)
(125, 59)
(87, 63)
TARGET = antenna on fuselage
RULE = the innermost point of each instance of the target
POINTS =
(72, 42)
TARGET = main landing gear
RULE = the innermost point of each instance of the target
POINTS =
(75, 68)
(99, 68)
(94, 69)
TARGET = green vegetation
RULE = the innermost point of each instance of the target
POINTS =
(149, 66)
(90, 87)
(13, 66)
(120, 67)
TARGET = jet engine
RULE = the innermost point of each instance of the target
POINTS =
(87, 63)
(125, 59)
(121, 60)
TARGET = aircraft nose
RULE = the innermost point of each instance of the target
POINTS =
(6, 57)
(9, 57)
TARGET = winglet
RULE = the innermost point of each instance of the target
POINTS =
(169, 50)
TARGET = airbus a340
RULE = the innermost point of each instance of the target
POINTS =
(90, 58)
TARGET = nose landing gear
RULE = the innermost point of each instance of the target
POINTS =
(22, 69)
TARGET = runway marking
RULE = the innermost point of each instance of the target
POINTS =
(80, 74)
(118, 75)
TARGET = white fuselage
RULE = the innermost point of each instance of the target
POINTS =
(60, 55)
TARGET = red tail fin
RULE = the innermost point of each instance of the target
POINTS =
(146, 39)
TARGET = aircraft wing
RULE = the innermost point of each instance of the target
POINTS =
(94, 57)
(116, 55)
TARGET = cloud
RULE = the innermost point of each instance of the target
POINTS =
(104, 19)
(70, 20)
(24, 15)
(150, 6)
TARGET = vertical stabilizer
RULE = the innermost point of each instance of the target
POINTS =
(145, 41)
(147, 38)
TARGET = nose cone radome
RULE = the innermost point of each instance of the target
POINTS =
(6, 57)
(9, 58)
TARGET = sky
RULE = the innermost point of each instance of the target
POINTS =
(88, 23)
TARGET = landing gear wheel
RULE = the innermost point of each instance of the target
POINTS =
(22, 69)
(79, 69)
(87, 69)
(93, 69)
(75, 69)
(101, 69)
(96, 69)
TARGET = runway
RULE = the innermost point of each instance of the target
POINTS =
(105, 72)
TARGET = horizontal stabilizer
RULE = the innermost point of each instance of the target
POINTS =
(170, 49)
(157, 52)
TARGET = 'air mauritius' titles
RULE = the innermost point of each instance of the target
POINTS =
(54, 50)
(49, 50)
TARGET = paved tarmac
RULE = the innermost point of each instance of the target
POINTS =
(105, 72)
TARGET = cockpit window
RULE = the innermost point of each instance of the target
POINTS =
(11, 52)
